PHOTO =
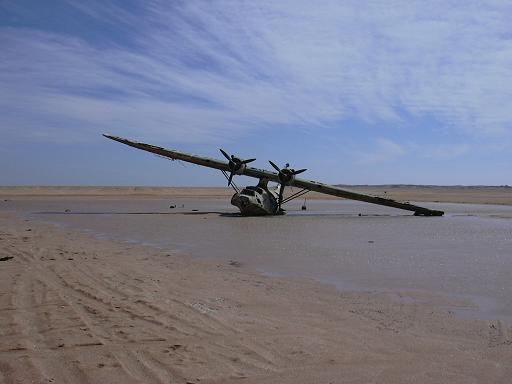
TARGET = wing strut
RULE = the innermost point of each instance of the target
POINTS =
(302, 192)
(229, 178)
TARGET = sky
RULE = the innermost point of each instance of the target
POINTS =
(357, 92)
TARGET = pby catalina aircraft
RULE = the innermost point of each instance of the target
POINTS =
(260, 199)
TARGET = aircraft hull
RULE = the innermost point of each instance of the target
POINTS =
(248, 207)
(256, 201)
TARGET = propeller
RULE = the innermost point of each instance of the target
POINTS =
(235, 164)
(286, 176)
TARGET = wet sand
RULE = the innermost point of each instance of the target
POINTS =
(75, 308)
(462, 258)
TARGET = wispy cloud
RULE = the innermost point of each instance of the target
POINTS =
(383, 151)
(204, 71)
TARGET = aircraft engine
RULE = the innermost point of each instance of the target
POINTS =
(286, 176)
(236, 165)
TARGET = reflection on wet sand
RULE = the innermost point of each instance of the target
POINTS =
(349, 244)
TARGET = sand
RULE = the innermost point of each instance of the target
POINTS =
(451, 194)
(74, 309)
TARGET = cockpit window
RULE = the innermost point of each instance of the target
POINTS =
(254, 188)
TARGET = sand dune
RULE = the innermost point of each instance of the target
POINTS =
(81, 310)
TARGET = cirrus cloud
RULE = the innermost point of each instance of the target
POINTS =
(207, 70)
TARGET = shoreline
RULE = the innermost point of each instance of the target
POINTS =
(496, 195)
(81, 309)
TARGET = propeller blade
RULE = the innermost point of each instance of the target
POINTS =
(230, 178)
(281, 191)
(248, 161)
(275, 166)
(225, 155)
(299, 171)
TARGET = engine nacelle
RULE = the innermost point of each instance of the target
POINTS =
(286, 176)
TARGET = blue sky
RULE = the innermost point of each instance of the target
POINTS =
(357, 92)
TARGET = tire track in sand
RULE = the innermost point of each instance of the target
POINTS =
(115, 306)
(68, 306)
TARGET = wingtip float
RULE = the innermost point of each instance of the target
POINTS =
(260, 199)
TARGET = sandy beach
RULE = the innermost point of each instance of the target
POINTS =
(77, 309)
(450, 194)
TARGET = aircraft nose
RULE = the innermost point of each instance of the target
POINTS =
(244, 201)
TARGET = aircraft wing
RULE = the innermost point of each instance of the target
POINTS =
(327, 189)
(221, 165)
(336, 191)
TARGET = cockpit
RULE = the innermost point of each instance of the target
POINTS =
(255, 188)
(252, 191)
(248, 192)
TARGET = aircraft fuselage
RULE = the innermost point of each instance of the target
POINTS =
(256, 201)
